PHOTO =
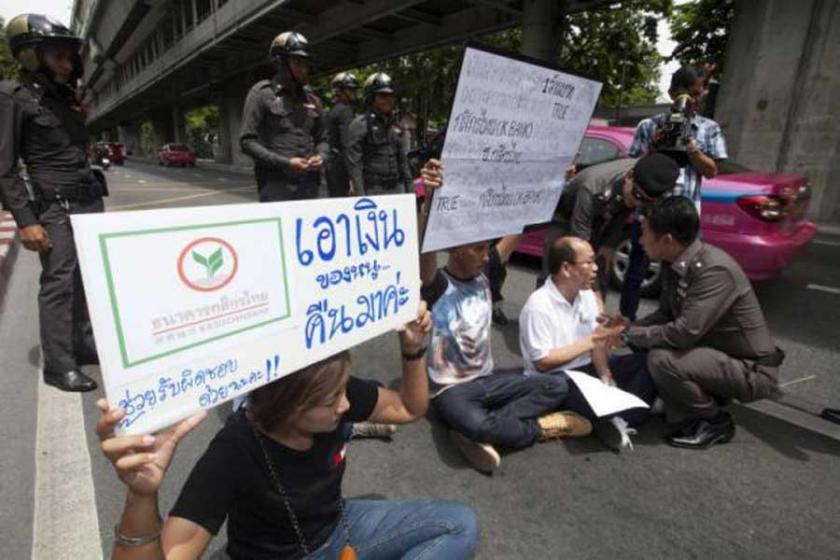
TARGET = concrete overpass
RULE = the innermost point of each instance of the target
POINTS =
(155, 59)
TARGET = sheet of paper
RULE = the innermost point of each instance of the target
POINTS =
(603, 399)
(514, 128)
(192, 307)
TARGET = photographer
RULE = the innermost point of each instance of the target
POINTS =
(695, 142)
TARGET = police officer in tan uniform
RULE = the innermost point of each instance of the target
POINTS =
(42, 123)
(708, 341)
(282, 126)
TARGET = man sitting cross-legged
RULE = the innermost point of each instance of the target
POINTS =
(559, 330)
(482, 408)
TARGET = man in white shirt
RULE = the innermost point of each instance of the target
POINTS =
(559, 330)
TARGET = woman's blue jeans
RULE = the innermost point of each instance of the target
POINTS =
(409, 529)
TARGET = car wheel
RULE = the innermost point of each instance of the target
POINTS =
(652, 283)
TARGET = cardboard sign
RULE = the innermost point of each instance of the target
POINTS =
(192, 307)
(515, 127)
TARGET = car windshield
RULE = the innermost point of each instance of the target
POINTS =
(729, 167)
(178, 148)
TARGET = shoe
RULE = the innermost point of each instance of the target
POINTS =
(499, 317)
(563, 424)
(71, 381)
(482, 456)
(704, 433)
(373, 430)
(615, 433)
(831, 414)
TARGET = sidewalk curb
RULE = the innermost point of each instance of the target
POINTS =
(8, 251)
(787, 410)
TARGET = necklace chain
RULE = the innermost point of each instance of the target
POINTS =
(283, 496)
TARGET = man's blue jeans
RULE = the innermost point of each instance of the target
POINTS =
(637, 265)
(408, 529)
(502, 408)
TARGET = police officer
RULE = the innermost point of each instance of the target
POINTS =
(599, 200)
(282, 126)
(345, 86)
(708, 341)
(42, 123)
(376, 158)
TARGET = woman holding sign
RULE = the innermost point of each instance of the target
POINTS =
(274, 473)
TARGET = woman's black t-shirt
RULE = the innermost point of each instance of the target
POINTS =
(231, 480)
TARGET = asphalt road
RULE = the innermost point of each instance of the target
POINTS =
(771, 493)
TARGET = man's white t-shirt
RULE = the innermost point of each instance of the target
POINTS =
(549, 321)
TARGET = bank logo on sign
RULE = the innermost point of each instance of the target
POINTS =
(207, 264)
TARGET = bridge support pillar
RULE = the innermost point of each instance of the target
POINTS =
(778, 103)
(539, 22)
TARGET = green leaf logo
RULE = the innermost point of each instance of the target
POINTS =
(211, 264)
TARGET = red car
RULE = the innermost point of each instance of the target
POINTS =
(176, 154)
(758, 218)
(117, 152)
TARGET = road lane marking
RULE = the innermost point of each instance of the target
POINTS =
(222, 179)
(795, 381)
(826, 289)
(827, 243)
(65, 517)
(163, 201)
(141, 181)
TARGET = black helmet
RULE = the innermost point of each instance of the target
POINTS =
(379, 82)
(345, 80)
(27, 31)
(289, 43)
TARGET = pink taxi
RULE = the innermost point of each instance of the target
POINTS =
(758, 218)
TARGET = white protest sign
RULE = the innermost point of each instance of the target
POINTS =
(192, 307)
(515, 127)
(603, 399)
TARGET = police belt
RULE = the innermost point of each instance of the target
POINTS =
(771, 360)
(386, 181)
(72, 193)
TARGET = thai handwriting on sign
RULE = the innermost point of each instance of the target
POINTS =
(218, 382)
(324, 321)
(350, 273)
(368, 228)
(480, 124)
(557, 88)
(501, 154)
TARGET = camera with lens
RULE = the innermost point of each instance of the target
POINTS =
(675, 131)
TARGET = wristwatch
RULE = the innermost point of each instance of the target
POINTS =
(625, 336)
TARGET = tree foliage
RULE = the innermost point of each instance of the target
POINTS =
(8, 65)
(701, 31)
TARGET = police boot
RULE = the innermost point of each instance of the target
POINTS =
(71, 381)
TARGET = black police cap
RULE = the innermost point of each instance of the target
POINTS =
(656, 174)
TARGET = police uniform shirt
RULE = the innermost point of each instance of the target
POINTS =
(375, 154)
(45, 127)
(278, 125)
(706, 301)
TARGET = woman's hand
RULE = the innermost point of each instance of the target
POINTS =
(140, 461)
(413, 334)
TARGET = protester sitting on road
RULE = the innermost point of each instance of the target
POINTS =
(708, 339)
(597, 203)
(559, 330)
(482, 407)
(274, 471)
